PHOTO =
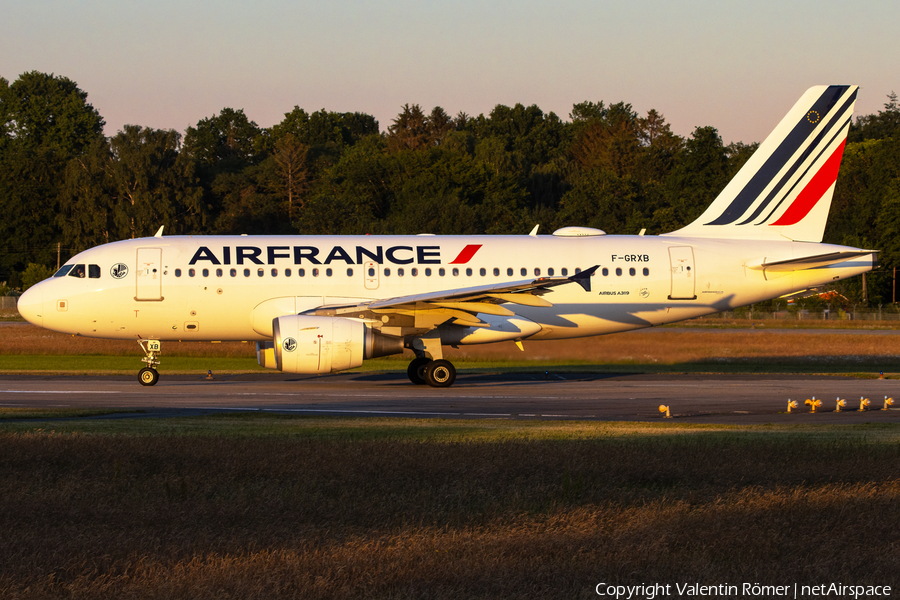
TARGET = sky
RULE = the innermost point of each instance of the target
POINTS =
(734, 65)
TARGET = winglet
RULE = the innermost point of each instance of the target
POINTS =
(584, 278)
(159, 233)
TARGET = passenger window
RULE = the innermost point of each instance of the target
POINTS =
(246, 272)
(455, 272)
(400, 272)
(191, 272)
(329, 272)
(442, 271)
(177, 272)
(260, 272)
(301, 272)
(632, 271)
(468, 272)
(427, 272)
(564, 272)
(524, 272)
(509, 272)
(371, 272)
(550, 271)
(287, 272)
(537, 272)
(618, 271)
(315, 272)
(414, 272)
(605, 271)
(94, 271)
(233, 272)
(349, 272)
(274, 272)
(218, 272)
(63, 270)
(577, 270)
(646, 272)
(482, 271)
(496, 272)
(77, 271)
(387, 272)
(206, 272)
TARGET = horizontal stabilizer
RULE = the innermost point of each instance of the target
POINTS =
(810, 262)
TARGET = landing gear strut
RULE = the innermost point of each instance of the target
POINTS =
(436, 373)
(149, 375)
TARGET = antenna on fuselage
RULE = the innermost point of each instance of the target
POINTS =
(159, 233)
(534, 231)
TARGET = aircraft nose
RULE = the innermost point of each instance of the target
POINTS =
(31, 305)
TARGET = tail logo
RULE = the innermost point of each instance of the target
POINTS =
(800, 169)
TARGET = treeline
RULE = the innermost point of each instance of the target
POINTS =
(63, 184)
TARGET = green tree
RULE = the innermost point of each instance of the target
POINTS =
(129, 186)
(288, 174)
(35, 273)
(45, 120)
(885, 124)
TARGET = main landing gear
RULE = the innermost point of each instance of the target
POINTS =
(149, 375)
(436, 373)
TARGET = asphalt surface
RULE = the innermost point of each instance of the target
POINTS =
(716, 399)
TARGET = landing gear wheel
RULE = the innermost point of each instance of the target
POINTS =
(148, 376)
(416, 370)
(440, 373)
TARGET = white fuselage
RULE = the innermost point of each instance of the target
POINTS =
(231, 287)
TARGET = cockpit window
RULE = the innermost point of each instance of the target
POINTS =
(63, 270)
(77, 271)
(94, 271)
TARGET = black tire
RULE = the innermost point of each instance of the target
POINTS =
(148, 376)
(416, 370)
(440, 373)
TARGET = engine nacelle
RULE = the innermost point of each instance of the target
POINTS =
(306, 344)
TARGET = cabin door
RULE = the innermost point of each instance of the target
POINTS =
(149, 274)
(371, 275)
(681, 260)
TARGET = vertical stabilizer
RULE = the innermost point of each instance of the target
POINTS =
(784, 191)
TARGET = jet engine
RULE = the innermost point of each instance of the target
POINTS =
(307, 344)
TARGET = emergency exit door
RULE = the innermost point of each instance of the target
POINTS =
(149, 274)
(681, 261)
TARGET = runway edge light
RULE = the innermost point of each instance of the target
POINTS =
(813, 403)
(791, 405)
(665, 411)
(840, 404)
(887, 402)
(863, 403)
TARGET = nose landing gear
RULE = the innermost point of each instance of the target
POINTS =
(149, 375)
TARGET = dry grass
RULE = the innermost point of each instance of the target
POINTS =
(666, 347)
(87, 516)
(671, 347)
(31, 340)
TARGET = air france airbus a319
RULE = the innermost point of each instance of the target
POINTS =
(320, 304)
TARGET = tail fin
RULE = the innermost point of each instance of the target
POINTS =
(784, 191)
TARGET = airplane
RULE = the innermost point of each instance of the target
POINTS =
(322, 304)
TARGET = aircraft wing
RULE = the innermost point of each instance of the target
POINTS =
(461, 305)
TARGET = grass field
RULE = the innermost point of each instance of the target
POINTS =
(24, 348)
(265, 506)
(284, 507)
